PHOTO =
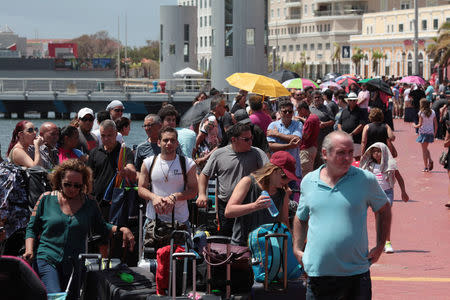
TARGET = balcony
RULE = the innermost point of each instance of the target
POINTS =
(342, 12)
(293, 3)
(294, 17)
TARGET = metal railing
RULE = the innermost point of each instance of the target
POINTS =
(86, 85)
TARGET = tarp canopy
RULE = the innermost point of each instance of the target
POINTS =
(187, 72)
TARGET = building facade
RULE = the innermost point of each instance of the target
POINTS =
(239, 39)
(387, 41)
(9, 40)
(204, 32)
(178, 37)
(317, 33)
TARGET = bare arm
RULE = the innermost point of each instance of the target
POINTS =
(21, 158)
(299, 238)
(420, 122)
(435, 126)
(284, 137)
(235, 208)
(447, 139)
(357, 130)
(390, 133)
(281, 147)
(202, 199)
(284, 212)
(383, 223)
(364, 139)
(191, 187)
(391, 148)
(339, 127)
(401, 183)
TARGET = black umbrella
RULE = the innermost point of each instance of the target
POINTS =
(196, 113)
(283, 75)
(378, 84)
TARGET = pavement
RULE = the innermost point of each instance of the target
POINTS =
(420, 234)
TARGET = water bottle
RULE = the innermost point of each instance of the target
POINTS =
(272, 208)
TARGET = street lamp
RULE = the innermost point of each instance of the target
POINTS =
(403, 62)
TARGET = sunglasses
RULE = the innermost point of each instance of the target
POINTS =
(87, 119)
(31, 130)
(287, 111)
(118, 109)
(149, 125)
(74, 185)
(245, 139)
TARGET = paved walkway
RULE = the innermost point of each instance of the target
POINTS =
(420, 266)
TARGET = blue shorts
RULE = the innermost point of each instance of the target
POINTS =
(390, 194)
(425, 138)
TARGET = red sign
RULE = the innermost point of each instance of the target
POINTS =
(410, 42)
(53, 46)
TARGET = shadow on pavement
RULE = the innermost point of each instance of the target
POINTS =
(412, 251)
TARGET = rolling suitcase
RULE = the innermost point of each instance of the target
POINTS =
(173, 282)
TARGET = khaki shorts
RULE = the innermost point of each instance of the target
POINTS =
(307, 157)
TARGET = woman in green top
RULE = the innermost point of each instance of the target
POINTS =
(61, 221)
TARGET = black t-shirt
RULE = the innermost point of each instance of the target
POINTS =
(104, 167)
(350, 120)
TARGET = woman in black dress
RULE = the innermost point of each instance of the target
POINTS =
(377, 131)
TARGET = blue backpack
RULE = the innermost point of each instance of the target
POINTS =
(256, 243)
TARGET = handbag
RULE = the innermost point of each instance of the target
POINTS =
(443, 158)
(157, 233)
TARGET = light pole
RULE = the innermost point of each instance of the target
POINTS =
(403, 62)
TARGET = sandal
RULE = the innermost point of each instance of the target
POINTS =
(425, 170)
(430, 166)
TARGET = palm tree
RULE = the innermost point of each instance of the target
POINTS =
(336, 57)
(440, 49)
(356, 58)
(376, 56)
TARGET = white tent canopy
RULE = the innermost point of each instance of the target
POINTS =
(187, 72)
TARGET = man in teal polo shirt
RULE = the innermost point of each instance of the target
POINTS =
(332, 214)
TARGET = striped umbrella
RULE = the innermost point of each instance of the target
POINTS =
(299, 83)
(346, 76)
(346, 82)
(329, 84)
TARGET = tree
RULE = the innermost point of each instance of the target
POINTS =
(440, 49)
(336, 57)
(99, 44)
(356, 58)
(376, 56)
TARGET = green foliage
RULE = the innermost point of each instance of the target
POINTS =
(357, 56)
(440, 49)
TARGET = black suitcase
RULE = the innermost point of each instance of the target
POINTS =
(173, 284)
(113, 284)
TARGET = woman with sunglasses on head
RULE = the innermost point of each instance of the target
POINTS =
(250, 206)
(62, 220)
(24, 135)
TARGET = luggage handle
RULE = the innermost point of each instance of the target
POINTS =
(186, 255)
(228, 265)
(213, 238)
(83, 256)
(266, 259)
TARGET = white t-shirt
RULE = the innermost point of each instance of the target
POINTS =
(427, 123)
(381, 178)
(406, 95)
(175, 183)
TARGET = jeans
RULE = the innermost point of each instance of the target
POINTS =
(356, 287)
(56, 278)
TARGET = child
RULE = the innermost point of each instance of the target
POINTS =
(378, 160)
(427, 131)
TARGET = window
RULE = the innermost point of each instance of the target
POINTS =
(278, 12)
(400, 27)
(297, 47)
(329, 27)
(405, 4)
(306, 9)
(319, 46)
(210, 24)
(186, 52)
(291, 47)
(271, 13)
(424, 24)
(201, 4)
(327, 46)
(228, 27)
(250, 36)
(435, 24)
(186, 32)
(305, 47)
(172, 49)
(201, 41)
(205, 21)
(210, 40)
(311, 47)
(387, 28)
(205, 3)
(201, 22)
(283, 48)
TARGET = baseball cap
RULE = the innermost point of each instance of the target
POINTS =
(85, 111)
(241, 116)
(113, 104)
(286, 162)
(351, 96)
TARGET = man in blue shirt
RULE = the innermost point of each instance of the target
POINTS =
(332, 214)
(285, 135)
(429, 91)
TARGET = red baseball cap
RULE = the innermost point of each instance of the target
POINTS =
(286, 162)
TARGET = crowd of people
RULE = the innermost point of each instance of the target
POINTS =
(299, 149)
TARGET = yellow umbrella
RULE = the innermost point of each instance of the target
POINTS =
(258, 84)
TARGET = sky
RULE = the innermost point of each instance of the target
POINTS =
(47, 19)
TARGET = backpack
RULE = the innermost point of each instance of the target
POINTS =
(38, 183)
(256, 243)
(15, 208)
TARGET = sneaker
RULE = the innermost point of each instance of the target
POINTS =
(388, 248)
